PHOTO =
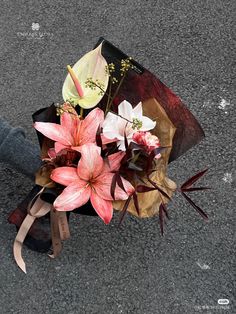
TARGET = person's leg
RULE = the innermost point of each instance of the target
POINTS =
(17, 151)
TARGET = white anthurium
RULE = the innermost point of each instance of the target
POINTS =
(91, 66)
(128, 121)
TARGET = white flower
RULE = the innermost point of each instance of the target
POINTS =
(91, 66)
(128, 121)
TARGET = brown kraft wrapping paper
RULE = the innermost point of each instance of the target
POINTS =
(149, 202)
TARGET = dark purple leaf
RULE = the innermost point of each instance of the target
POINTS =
(156, 151)
(198, 209)
(116, 180)
(195, 189)
(111, 148)
(98, 137)
(137, 178)
(124, 159)
(193, 179)
(124, 210)
(113, 186)
(120, 182)
(136, 203)
(132, 166)
(134, 146)
(161, 218)
(165, 210)
(126, 141)
(159, 189)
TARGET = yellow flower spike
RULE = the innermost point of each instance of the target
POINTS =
(76, 81)
(91, 66)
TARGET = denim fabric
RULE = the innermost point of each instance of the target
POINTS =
(17, 151)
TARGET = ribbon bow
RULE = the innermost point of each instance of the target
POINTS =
(59, 228)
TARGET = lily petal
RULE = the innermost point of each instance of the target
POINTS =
(110, 122)
(120, 194)
(102, 185)
(124, 127)
(73, 196)
(90, 126)
(70, 121)
(138, 111)
(91, 163)
(58, 147)
(114, 160)
(147, 124)
(103, 207)
(106, 140)
(55, 132)
(121, 143)
(128, 188)
(64, 175)
(114, 126)
(125, 110)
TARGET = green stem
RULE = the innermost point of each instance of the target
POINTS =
(101, 89)
(121, 116)
(109, 96)
(116, 92)
(98, 86)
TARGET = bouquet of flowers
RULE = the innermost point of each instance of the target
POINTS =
(101, 151)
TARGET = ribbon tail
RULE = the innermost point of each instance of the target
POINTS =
(63, 225)
(55, 232)
(39, 209)
(20, 237)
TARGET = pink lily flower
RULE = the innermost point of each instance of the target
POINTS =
(72, 132)
(90, 180)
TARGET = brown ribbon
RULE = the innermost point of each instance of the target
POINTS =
(59, 231)
(63, 225)
(39, 209)
(59, 228)
(56, 239)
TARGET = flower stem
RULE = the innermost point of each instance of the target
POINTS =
(105, 93)
(81, 112)
(113, 97)
(108, 96)
(118, 115)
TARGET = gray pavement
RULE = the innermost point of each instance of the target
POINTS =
(103, 269)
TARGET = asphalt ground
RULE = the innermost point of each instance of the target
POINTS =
(189, 45)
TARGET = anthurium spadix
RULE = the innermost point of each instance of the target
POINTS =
(91, 66)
